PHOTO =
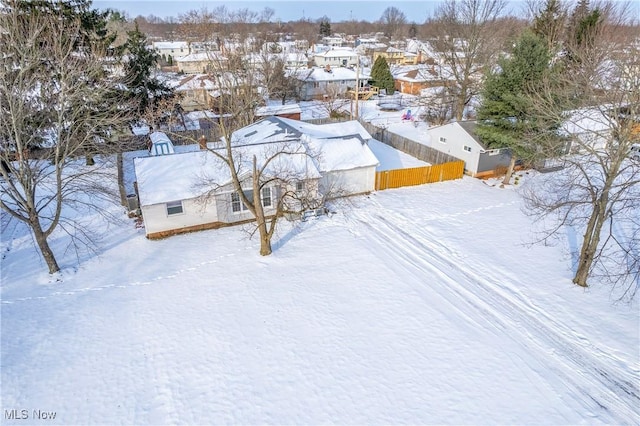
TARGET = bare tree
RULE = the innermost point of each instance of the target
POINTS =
(334, 100)
(202, 25)
(435, 105)
(466, 45)
(54, 96)
(394, 21)
(597, 193)
(262, 179)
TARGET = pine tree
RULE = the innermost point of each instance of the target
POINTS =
(504, 117)
(381, 75)
(413, 31)
(325, 27)
(549, 24)
(142, 85)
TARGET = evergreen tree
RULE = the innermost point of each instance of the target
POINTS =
(142, 85)
(93, 34)
(413, 30)
(325, 27)
(504, 117)
(549, 24)
(381, 75)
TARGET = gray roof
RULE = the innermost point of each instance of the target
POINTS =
(470, 128)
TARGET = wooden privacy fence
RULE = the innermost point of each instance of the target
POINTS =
(419, 175)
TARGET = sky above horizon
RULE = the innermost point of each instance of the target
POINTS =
(285, 10)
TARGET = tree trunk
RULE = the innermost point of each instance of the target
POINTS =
(89, 160)
(45, 250)
(121, 188)
(265, 243)
(265, 236)
(591, 241)
(507, 176)
(459, 108)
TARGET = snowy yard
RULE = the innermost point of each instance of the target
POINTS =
(416, 305)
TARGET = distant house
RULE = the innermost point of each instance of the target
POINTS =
(292, 111)
(336, 58)
(316, 81)
(589, 128)
(174, 49)
(193, 190)
(460, 140)
(425, 52)
(295, 61)
(332, 41)
(196, 92)
(413, 81)
(395, 56)
(198, 63)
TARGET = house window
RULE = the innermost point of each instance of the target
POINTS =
(237, 206)
(316, 84)
(266, 197)
(443, 140)
(174, 207)
(467, 148)
(299, 187)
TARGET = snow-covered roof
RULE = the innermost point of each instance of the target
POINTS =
(202, 57)
(587, 120)
(161, 144)
(183, 176)
(313, 148)
(321, 74)
(197, 115)
(341, 146)
(329, 130)
(337, 53)
(342, 153)
(170, 44)
(420, 73)
(278, 109)
(196, 81)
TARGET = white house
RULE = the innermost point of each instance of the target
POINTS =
(196, 63)
(336, 58)
(588, 128)
(175, 49)
(319, 161)
(332, 41)
(459, 140)
(315, 82)
(346, 163)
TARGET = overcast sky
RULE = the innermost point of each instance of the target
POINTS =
(285, 10)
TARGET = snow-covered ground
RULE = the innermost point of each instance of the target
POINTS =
(420, 305)
(416, 305)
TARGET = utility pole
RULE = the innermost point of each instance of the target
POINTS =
(357, 85)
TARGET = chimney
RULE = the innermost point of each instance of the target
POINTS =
(202, 141)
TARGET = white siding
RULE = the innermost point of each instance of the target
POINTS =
(456, 139)
(156, 218)
(348, 182)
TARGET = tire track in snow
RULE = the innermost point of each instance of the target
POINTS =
(610, 388)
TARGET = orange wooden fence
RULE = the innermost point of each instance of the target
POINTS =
(419, 175)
